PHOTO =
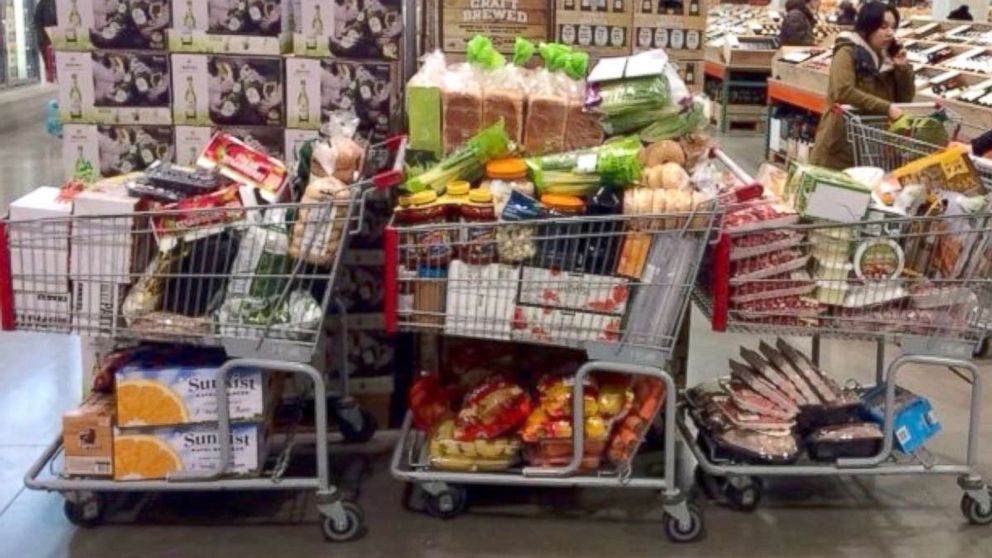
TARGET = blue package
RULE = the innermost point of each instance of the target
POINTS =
(913, 421)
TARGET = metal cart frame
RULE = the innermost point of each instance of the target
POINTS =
(257, 347)
(951, 349)
(445, 498)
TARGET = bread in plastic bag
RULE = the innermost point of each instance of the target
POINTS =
(462, 106)
(547, 115)
(504, 95)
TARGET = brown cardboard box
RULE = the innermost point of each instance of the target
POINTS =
(87, 436)
(691, 71)
(501, 20)
(599, 27)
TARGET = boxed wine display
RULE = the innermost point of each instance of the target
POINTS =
(365, 29)
(88, 24)
(114, 87)
(315, 89)
(231, 26)
(599, 27)
(114, 150)
(214, 89)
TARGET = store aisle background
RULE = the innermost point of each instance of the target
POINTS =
(39, 378)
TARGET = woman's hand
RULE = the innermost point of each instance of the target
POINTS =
(894, 112)
(901, 59)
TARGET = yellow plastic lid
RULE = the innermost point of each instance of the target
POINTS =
(506, 169)
(424, 198)
(562, 202)
(405, 201)
(458, 188)
(480, 195)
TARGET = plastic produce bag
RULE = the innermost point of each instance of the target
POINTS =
(929, 129)
(494, 407)
(297, 317)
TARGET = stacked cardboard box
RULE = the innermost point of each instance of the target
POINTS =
(679, 27)
(114, 83)
(599, 27)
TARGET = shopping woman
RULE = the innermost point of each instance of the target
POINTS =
(800, 19)
(870, 72)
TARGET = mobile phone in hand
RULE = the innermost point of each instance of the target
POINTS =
(894, 48)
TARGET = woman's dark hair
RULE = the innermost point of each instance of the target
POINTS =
(871, 16)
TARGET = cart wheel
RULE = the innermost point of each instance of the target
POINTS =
(982, 350)
(358, 433)
(447, 504)
(711, 486)
(973, 512)
(679, 533)
(354, 525)
(743, 494)
(87, 512)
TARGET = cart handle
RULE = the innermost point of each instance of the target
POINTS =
(752, 189)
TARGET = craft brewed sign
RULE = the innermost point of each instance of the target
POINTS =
(501, 20)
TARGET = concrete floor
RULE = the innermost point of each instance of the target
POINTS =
(820, 517)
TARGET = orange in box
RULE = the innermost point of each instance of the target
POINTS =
(87, 437)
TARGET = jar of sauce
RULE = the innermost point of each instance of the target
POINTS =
(478, 245)
(431, 246)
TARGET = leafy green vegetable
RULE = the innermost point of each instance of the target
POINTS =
(466, 162)
(675, 125)
(581, 172)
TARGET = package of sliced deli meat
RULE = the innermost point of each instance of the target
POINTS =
(748, 376)
(767, 265)
(746, 419)
(773, 375)
(751, 401)
(758, 215)
(793, 283)
(790, 310)
(763, 242)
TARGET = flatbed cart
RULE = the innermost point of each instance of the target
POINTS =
(938, 316)
(167, 270)
(492, 305)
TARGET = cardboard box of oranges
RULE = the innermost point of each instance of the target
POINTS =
(162, 395)
(154, 453)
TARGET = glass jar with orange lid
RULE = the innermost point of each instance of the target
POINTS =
(504, 176)
(478, 244)
(432, 246)
(558, 243)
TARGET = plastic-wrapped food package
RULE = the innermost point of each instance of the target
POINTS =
(462, 102)
(503, 97)
(423, 104)
(582, 127)
(548, 440)
(547, 114)
(451, 454)
(339, 155)
(554, 394)
(317, 233)
(857, 439)
(753, 446)
(429, 402)
(648, 399)
(494, 407)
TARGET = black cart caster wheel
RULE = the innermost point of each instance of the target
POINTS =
(447, 504)
(694, 531)
(973, 512)
(353, 528)
(743, 495)
(982, 350)
(86, 512)
(358, 433)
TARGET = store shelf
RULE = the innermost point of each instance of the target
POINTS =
(780, 92)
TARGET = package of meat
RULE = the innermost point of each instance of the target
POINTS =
(751, 401)
(828, 390)
(755, 381)
(759, 215)
(763, 242)
(928, 295)
(789, 309)
(778, 361)
(461, 100)
(767, 265)
(755, 447)
(793, 283)
(742, 418)
(772, 374)
(856, 439)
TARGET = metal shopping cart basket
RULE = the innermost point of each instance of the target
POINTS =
(616, 286)
(254, 280)
(920, 282)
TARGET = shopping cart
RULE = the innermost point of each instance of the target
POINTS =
(919, 282)
(875, 146)
(533, 282)
(254, 280)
